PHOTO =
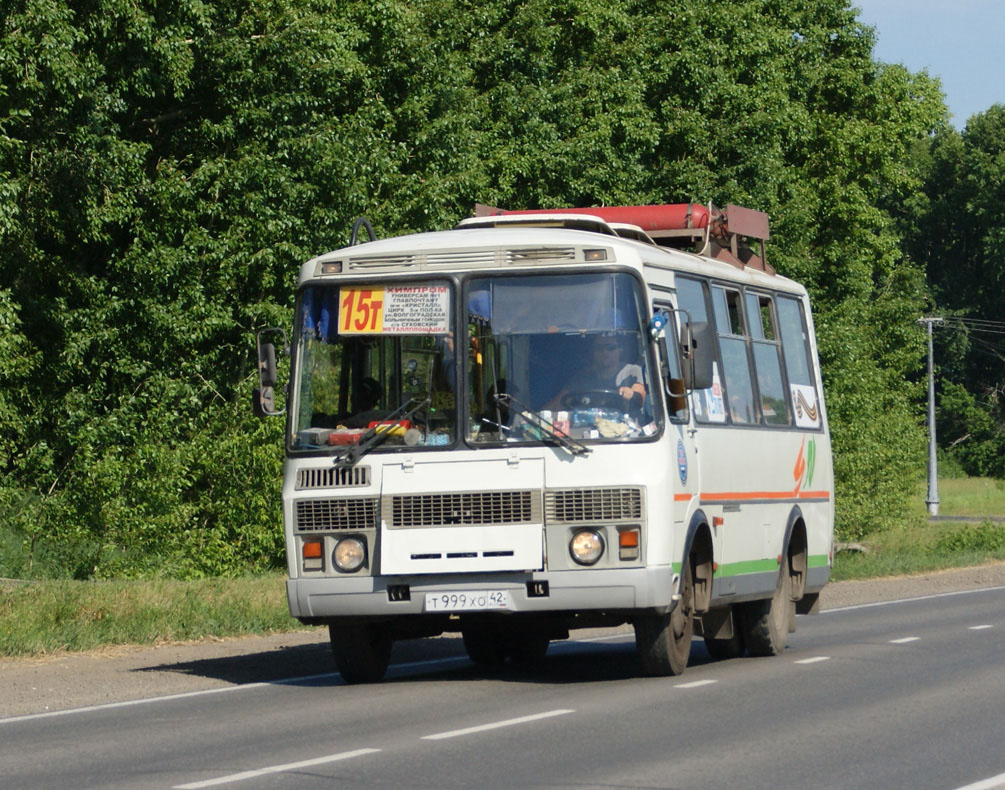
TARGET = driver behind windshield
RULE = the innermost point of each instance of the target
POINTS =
(608, 371)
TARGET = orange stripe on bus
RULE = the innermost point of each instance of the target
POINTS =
(744, 495)
(681, 497)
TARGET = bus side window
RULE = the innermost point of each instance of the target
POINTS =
(728, 308)
(767, 360)
(796, 353)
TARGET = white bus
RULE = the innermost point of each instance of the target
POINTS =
(546, 420)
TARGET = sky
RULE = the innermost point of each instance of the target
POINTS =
(962, 42)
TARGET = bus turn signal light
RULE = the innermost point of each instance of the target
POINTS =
(313, 555)
(628, 544)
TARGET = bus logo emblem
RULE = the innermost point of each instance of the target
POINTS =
(681, 461)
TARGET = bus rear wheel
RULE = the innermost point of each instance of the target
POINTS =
(765, 624)
(528, 646)
(663, 641)
(485, 645)
(725, 648)
(361, 651)
(490, 645)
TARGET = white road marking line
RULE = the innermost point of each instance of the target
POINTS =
(904, 640)
(275, 769)
(910, 600)
(131, 702)
(979, 627)
(986, 784)
(496, 725)
(813, 660)
(695, 684)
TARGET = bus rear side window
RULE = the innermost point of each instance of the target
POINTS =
(794, 346)
(796, 352)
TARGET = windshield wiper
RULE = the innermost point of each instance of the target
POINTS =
(378, 434)
(547, 427)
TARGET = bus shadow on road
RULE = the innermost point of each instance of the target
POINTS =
(572, 662)
(416, 661)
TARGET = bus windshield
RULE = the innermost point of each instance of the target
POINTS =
(374, 359)
(558, 353)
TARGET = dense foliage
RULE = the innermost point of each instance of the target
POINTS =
(959, 235)
(164, 167)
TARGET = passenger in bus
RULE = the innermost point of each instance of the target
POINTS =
(609, 379)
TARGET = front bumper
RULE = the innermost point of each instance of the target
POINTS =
(568, 592)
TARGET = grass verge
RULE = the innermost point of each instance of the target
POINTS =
(930, 547)
(923, 545)
(38, 618)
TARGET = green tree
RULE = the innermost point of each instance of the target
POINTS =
(166, 167)
(960, 236)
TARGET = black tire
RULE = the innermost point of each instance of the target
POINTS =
(486, 646)
(765, 624)
(663, 641)
(725, 649)
(361, 652)
(527, 648)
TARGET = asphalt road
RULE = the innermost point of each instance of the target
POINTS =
(907, 694)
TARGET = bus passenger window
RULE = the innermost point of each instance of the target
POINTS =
(796, 352)
(735, 362)
(767, 360)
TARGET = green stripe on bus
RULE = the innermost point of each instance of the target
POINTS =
(758, 566)
(747, 566)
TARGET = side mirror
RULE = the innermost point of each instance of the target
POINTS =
(263, 399)
(699, 354)
(263, 402)
(267, 365)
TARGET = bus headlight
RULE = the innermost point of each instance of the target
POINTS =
(349, 554)
(586, 547)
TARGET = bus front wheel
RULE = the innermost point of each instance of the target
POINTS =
(663, 641)
(361, 651)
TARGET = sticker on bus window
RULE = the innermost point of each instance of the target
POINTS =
(395, 310)
(804, 398)
(716, 406)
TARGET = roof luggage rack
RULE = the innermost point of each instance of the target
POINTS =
(723, 234)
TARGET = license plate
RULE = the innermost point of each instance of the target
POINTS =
(468, 601)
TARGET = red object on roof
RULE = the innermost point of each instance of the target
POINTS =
(671, 216)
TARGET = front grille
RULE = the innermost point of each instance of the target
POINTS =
(593, 504)
(330, 477)
(487, 507)
(313, 515)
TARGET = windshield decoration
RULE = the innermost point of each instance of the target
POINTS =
(559, 359)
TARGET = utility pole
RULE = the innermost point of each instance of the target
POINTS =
(933, 460)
